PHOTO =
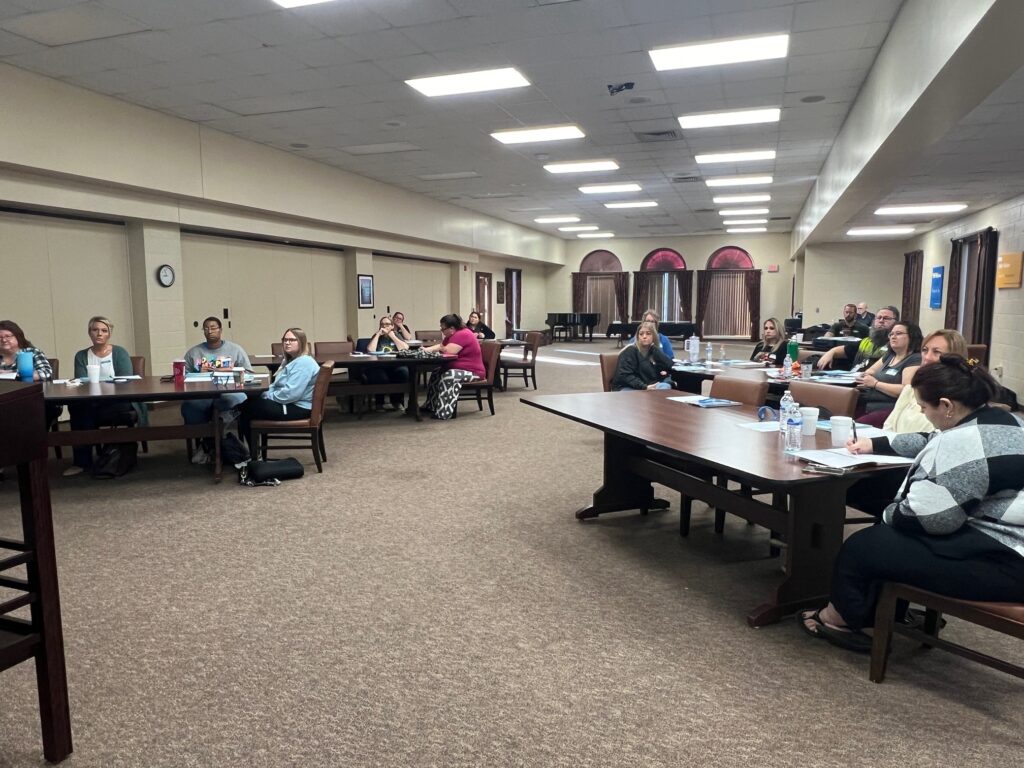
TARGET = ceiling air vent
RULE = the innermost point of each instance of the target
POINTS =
(682, 178)
(704, 210)
(780, 218)
(648, 137)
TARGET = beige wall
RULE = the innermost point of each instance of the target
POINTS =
(764, 250)
(57, 274)
(1008, 313)
(421, 290)
(835, 274)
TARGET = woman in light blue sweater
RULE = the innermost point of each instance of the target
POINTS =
(290, 397)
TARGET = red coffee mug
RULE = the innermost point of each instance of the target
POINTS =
(179, 371)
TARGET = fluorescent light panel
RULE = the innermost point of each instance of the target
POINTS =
(469, 82)
(596, 234)
(449, 176)
(603, 189)
(734, 51)
(299, 3)
(547, 133)
(743, 212)
(380, 149)
(736, 157)
(727, 199)
(737, 181)
(732, 117)
(557, 219)
(746, 230)
(908, 210)
(583, 166)
(634, 204)
(742, 222)
(878, 231)
(580, 228)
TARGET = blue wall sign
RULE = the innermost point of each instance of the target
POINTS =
(936, 296)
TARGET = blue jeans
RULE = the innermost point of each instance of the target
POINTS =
(201, 411)
(659, 385)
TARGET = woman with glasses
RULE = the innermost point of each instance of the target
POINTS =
(290, 397)
(444, 385)
(13, 341)
(883, 382)
(387, 339)
(398, 318)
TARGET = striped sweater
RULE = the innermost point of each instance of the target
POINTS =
(972, 474)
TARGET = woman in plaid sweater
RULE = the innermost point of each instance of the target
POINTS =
(956, 526)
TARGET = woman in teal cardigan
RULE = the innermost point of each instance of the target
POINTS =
(113, 361)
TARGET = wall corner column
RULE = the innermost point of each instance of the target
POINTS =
(158, 312)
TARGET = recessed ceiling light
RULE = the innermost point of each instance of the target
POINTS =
(449, 176)
(721, 52)
(726, 199)
(745, 230)
(584, 166)
(906, 210)
(602, 189)
(596, 234)
(634, 204)
(736, 157)
(299, 3)
(741, 222)
(737, 181)
(469, 82)
(812, 99)
(580, 228)
(732, 117)
(380, 149)
(743, 212)
(547, 133)
(880, 231)
(557, 219)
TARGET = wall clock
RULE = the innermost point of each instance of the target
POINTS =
(165, 275)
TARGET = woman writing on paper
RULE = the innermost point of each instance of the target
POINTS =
(956, 526)
(643, 365)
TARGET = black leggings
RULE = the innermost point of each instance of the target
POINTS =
(258, 408)
(968, 565)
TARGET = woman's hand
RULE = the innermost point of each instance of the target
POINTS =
(863, 445)
(653, 386)
(867, 381)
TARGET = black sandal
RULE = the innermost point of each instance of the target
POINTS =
(851, 640)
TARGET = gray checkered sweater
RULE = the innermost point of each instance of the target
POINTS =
(972, 474)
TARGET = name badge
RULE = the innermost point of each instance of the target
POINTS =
(891, 371)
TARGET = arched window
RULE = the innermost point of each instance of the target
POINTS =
(600, 261)
(601, 287)
(663, 284)
(662, 260)
(730, 257)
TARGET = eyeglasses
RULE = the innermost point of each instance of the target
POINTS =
(208, 328)
(7, 337)
(894, 334)
(286, 339)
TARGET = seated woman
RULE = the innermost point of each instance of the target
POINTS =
(13, 341)
(883, 382)
(398, 318)
(387, 339)
(445, 384)
(772, 346)
(956, 526)
(643, 365)
(873, 494)
(290, 397)
(478, 326)
(113, 361)
(650, 316)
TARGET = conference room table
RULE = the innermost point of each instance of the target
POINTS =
(689, 378)
(648, 438)
(148, 389)
(361, 363)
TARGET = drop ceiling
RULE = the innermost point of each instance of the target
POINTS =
(326, 83)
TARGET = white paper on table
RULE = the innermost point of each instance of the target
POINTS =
(8, 376)
(689, 399)
(761, 426)
(842, 458)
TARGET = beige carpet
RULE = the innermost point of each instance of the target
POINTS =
(431, 601)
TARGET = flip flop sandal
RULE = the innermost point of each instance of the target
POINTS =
(848, 639)
(802, 617)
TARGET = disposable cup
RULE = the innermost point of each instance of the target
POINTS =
(93, 372)
(841, 426)
(810, 419)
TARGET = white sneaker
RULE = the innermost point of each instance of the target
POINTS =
(72, 471)
(200, 456)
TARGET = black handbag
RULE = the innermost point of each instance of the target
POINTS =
(270, 472)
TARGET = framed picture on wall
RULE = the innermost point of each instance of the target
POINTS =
(500, 290)
(365, 291)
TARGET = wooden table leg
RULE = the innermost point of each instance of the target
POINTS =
(51, 675)
(621, 489)
(814, 535)
(413, 407)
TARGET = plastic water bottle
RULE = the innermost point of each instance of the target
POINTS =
(721, 352)
(794, 427)
(785, 403)
(694, 348)
(787, 367)
(710, 353)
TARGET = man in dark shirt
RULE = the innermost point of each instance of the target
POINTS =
(863, 316)
(849, 326)
(867, 350)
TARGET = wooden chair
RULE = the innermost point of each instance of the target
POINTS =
(840, 401)
(1007, 618)
(429, 336)
(139, 369)
(325, 349)
(311, 429)
(978, 352)
(527, 365)
(55, 424)
(475, 388)
(609, 363)
(277, 349)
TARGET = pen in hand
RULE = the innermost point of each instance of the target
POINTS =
(855, 431)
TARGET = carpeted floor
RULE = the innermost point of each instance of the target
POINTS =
(431, 601)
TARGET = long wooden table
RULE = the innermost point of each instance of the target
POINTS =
(145, 390)
(649, 438)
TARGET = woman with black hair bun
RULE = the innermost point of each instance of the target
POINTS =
(956, 526)
(444, 385)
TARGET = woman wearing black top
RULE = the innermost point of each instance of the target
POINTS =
(772, 346)
(478, 327)
(643, 365)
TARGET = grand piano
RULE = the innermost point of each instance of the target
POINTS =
(572, 325)
(671, 328)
